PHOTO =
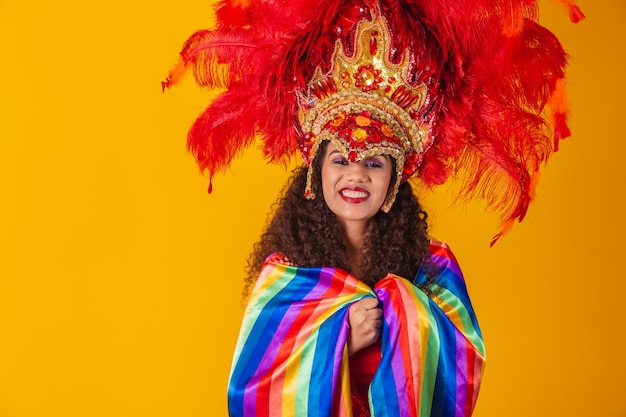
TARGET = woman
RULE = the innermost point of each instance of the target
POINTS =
(352, 309)
(345, 240)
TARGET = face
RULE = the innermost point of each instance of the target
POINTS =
(355, 191)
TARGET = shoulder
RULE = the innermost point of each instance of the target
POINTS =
(440, 266)
(438, 249)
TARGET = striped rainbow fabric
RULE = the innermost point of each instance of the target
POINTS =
(291, 358)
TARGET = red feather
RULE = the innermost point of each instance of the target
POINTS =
(490, 68)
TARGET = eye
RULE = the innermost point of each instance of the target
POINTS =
(339, 160)
(373, 163)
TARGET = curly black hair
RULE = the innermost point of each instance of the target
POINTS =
(308, 234)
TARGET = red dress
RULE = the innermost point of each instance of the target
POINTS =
(363, 365)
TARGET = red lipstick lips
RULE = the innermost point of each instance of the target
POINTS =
(354, 194)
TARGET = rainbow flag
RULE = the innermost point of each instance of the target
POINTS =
(291, 358)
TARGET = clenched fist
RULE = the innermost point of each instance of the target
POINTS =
(365, 320)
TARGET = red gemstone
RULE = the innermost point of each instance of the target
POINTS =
(345, 134)
(373, 46)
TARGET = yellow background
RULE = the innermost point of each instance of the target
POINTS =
(120, 277)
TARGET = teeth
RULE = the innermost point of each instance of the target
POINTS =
(354, 194)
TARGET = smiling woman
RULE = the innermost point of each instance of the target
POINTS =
(354, 245)
(336, 263)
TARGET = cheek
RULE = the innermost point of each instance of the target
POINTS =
(327, 180)
(324, 177)
(384, 183)
(329, 174)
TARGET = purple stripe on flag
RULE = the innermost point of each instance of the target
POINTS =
(397, 360)
(461, 374)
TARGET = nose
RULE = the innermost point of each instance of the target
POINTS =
(357, 172)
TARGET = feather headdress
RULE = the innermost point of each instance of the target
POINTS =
(473, 89)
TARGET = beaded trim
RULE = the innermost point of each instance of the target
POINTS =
(383, 109)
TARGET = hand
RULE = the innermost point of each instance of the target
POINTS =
(365, 320)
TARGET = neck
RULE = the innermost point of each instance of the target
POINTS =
(354, 236)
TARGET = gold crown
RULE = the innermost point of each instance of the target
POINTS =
(367, 81)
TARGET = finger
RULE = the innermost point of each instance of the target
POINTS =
(375, 313)
(369, 303)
